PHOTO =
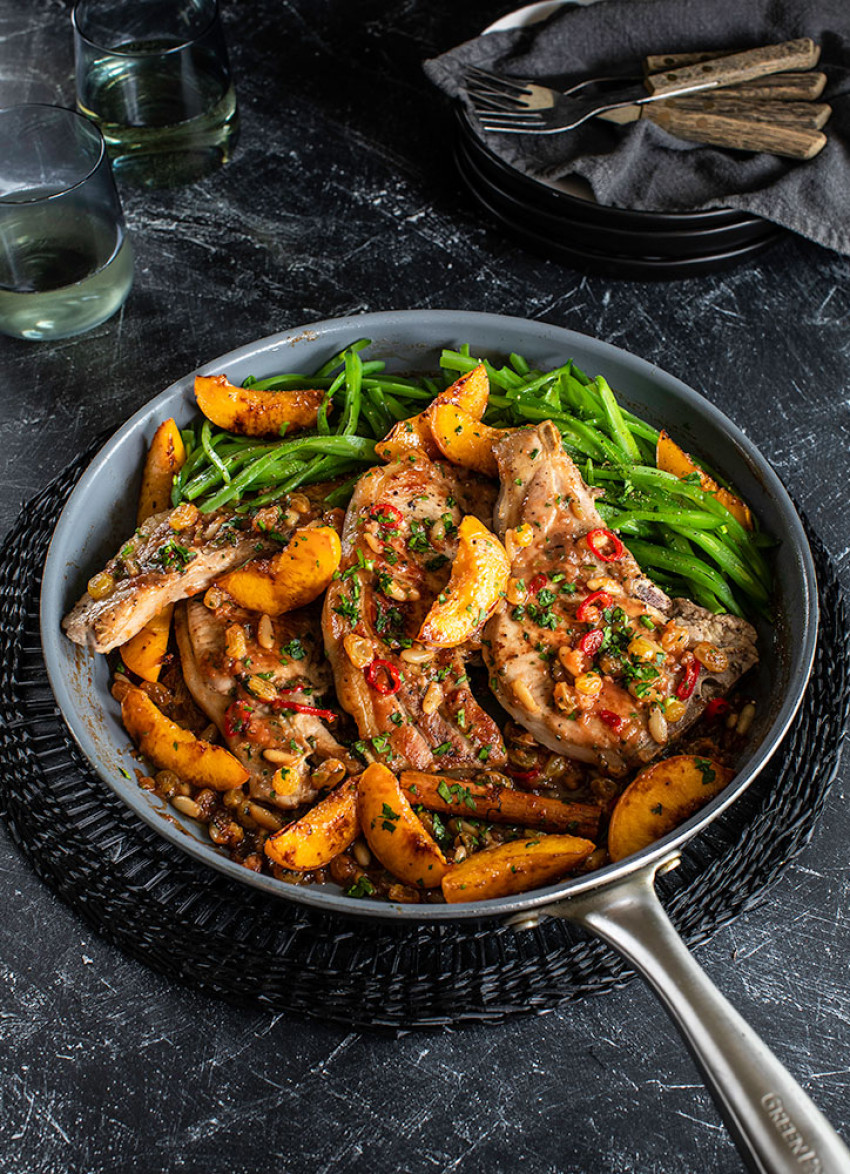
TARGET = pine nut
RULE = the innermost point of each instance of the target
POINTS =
(417, 654)
(281, 757)
(361, 854)
(438, 531)
(265, 818)
(573, 659)
(745, 719)
(265, 632)
(432, 699)
(658, 725)
(524, 696)
(186, 806)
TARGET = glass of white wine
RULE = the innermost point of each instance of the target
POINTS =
(155, 78)
(66, 263)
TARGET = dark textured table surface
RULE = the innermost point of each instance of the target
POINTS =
(341, 199)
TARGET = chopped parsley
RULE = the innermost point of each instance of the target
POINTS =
(174, 556)
(362, 887)
(294, 649)
(704, 766)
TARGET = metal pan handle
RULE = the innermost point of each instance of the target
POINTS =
(775, 1125)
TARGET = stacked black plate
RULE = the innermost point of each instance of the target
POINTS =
(564, 222)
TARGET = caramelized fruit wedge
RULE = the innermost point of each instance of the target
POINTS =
(413, 437)
(170, 747)
(252, 412)
(293, 578)
(394, 832)
(672, 459)
(478, 581)
(143, 654)
(660, 798)
(317, 837)
(464, 440)
(514, 868)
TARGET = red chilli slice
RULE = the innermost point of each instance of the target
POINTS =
(600, 599)
(717, 708)
(686, 686)
(611, 719)
(237, 718)
(386, 515)
(525, 776)
(295, 707)
(591, 642)
(595, 537)
(374, 681)
(538, 583)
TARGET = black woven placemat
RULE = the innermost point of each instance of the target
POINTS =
(190, 923)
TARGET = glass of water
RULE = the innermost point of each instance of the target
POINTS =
(65, 260)
(154, 76)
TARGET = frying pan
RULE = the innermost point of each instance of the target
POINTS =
(775, 1124)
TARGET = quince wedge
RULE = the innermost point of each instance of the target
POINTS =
(318, 837)
(465, 441)
(670, 458)
(414, 438)
(250, 411)
(394, 832)
(288, 580)
(170, 747)
(143, 654)
(478, 581)
(514, 867)
(660, 798)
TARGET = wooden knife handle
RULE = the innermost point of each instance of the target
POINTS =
(738, 67)
(739, 134)
(789, 87)
(813, 115)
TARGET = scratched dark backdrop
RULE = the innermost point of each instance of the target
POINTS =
(342, 198)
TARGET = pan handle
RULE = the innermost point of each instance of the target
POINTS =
(775, 1125)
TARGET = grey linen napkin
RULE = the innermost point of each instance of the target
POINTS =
(641, 165)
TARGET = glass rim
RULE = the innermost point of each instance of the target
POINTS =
(90, 127)
(119, 52)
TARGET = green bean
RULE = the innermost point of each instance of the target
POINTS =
(208, 445)
(616, 423)
(399, 388)
(689, 567)
(340, 495)
(339, 358)
(695, 519)
(733, 566)
(240, 483)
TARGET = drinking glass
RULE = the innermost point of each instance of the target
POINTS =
(154, 76)
(66, 263)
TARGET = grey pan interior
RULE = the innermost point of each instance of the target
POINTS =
(100, 514)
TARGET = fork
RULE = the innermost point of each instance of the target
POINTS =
(512, 106)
